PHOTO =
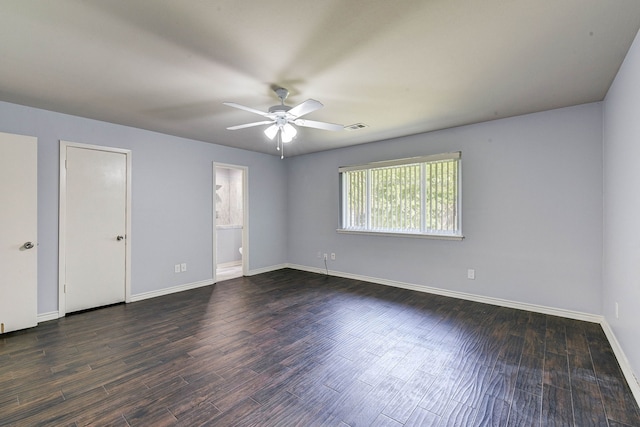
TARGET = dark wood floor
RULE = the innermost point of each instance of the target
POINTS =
(290, 348)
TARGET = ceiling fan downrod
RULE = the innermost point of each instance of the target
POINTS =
(282, 93)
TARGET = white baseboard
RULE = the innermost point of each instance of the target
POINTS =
(44, 317)
(627, 371)
(576, 315)
(171, 290)
(187, 286)
(266, 269)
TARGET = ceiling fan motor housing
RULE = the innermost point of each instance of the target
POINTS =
(279, 109)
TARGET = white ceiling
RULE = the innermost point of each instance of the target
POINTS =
(401, 67)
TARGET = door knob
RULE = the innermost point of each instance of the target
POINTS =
(119, 238)
(28, 245)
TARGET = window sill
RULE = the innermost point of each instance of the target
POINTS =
(399, 234)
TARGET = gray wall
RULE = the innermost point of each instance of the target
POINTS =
(531, 212)
(621, 283)
(172, 204)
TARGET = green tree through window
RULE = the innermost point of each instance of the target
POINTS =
(417, 196)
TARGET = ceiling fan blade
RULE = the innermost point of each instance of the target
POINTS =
(305, 107)
(242, 107)
(318, 125)
(248, 125)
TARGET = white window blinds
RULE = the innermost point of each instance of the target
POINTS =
(419, 195)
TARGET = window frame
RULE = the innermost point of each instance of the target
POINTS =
(422, 160)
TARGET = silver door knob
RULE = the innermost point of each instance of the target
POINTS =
(28, 245)
(119, 238)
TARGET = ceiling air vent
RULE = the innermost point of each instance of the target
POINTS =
(356, 126)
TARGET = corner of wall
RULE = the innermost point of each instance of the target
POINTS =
(625, 366)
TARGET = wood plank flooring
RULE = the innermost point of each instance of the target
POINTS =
(291, 348)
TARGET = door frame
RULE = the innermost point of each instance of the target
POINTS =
(62, 220)
(245, 217)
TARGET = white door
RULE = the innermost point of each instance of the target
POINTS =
(95, 228)
(18, 232)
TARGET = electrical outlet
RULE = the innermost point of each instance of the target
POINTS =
(617, 312)
(333, 256)
(471, 274)
(176, 268)
(319, 254)
(183, 266)
(325, 257)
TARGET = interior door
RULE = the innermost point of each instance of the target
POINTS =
(18, 232)
(95, 228)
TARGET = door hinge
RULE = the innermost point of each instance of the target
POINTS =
(65, 288)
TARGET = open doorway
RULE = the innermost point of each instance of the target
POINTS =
(230, 223)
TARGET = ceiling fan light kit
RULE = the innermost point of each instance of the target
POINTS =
(282, 117)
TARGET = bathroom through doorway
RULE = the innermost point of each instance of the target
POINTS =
(230, 234)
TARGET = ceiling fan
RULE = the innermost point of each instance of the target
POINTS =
(282, 117)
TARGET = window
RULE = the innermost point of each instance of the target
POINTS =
(416, 196)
